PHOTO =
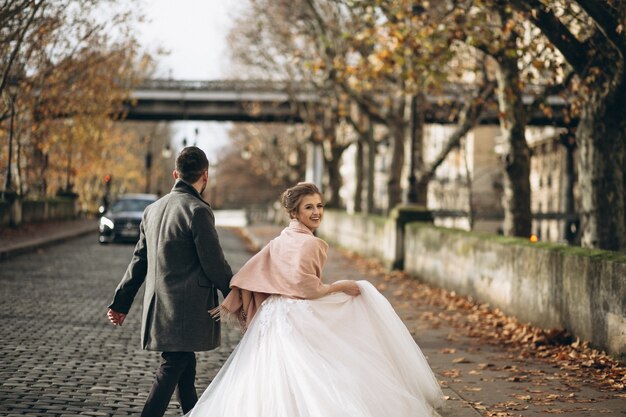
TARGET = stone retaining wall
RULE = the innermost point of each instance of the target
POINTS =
(20, 211)
(548, 285)
(367, 235)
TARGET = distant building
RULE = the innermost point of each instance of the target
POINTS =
(467, 189)
(555, 195)
(466, 192)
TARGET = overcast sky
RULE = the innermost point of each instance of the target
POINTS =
(194, 33)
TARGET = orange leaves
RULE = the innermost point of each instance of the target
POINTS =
(398, 34)
(451, 373)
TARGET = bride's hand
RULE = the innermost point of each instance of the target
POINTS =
(351, 288)
(348, 287)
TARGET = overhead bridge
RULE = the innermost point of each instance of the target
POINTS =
(278, 101)
(235, 100)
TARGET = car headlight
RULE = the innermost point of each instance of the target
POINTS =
(106, 222)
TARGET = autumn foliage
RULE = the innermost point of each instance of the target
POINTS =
(67, 67)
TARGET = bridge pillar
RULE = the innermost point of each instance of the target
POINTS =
(314, 164)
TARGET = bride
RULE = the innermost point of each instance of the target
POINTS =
(312, 349)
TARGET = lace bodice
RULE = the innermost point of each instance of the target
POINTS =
(274, 313)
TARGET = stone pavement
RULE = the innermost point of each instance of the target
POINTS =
(29, 237)
(60, 357)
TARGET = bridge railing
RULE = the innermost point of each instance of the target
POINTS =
(221, 85)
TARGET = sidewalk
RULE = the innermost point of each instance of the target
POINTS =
(32, 236)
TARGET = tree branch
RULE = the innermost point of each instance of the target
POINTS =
(549, 91)
(607, 21)
(370, 107)
(575, 51)
(470, 116)
(354, 125)
(18, 45)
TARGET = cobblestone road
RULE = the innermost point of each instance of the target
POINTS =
(60, 356)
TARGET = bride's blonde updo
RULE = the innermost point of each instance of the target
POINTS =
(292, 197)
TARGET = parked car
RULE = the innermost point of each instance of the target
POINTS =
(120, 222)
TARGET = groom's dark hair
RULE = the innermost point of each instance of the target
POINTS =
(191, 162)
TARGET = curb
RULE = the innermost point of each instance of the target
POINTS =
(42, 242)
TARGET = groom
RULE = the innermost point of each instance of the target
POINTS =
(180, 259)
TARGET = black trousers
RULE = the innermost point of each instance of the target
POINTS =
(177, 372)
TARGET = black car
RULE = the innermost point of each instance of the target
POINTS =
(120, 223)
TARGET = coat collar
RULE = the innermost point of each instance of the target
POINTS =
(296, 226)
(183, 187)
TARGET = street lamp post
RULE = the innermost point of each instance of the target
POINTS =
(12, 88)
(148, 163)
(572, 222)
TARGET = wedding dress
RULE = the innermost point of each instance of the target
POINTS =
(334, 356)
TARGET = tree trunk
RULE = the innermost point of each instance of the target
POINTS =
(37, 168)
(68, 168)
(394, 187)
(397, 125)
(470, 182)
(358, 192)
(19, 171)
(334, 176)
(601, 137)
(418, 191)
(516, 199)
(44, 174)
(371, 168)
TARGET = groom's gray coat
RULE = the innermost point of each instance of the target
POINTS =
(181, 261)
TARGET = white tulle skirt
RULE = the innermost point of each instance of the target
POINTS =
(334, 356)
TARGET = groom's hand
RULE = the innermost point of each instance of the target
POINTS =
(116, 318)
